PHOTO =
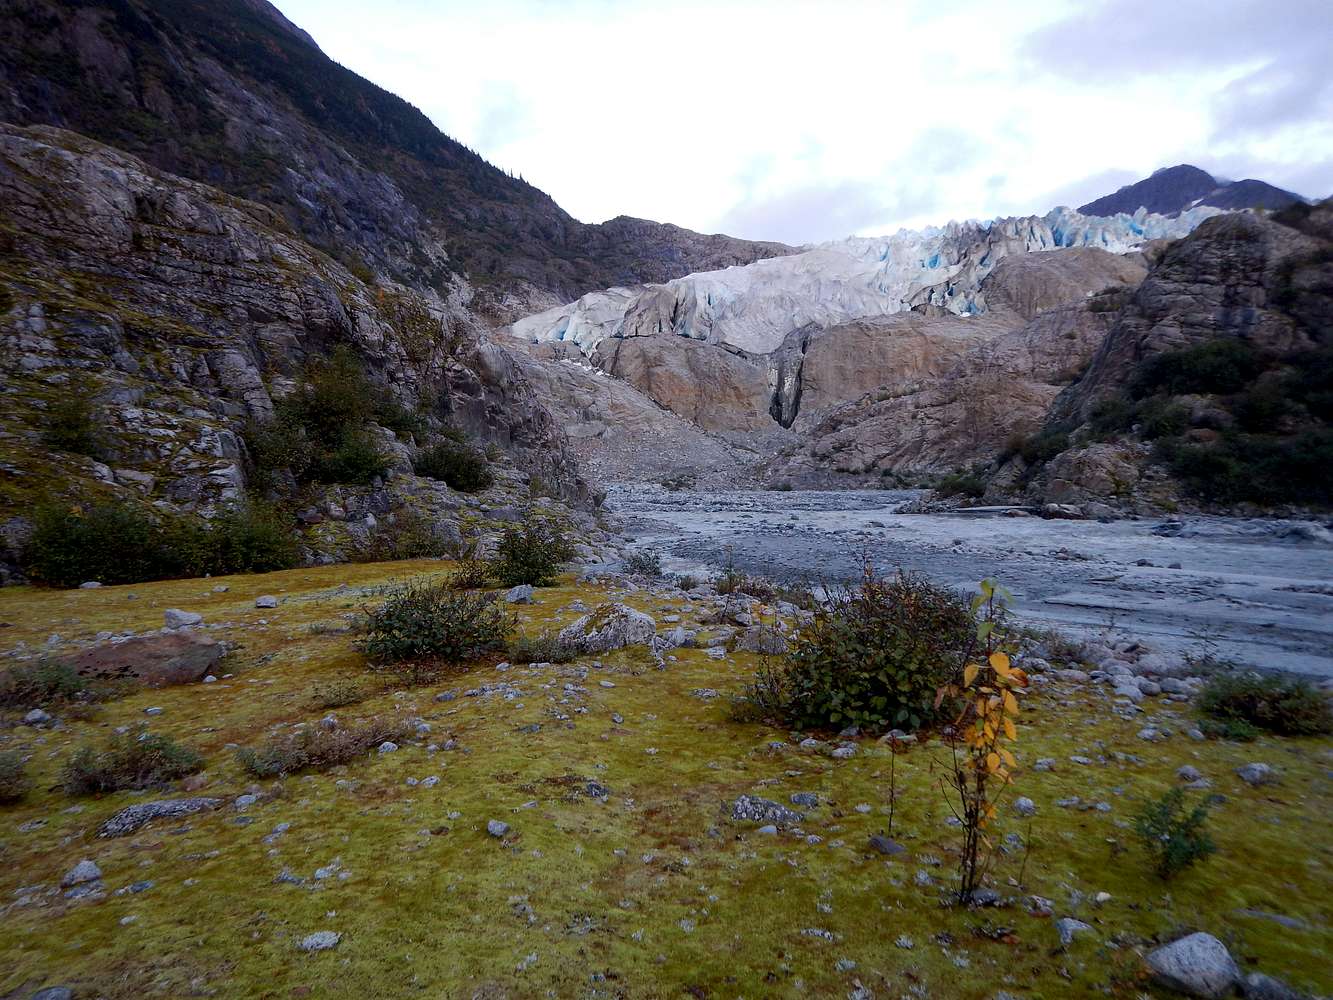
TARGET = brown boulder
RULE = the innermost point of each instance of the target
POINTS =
(182, 657)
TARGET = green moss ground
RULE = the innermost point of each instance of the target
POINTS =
(651, 894)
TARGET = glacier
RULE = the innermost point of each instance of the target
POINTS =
(752, 308)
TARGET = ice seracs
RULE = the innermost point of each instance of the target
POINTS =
(753, 308)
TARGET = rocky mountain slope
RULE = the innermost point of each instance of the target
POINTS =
(230, 93)
(1173, 190)
(182, 312)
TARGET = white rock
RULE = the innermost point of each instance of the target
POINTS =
(496, 828)
(266, 601)
(1198, 965)
(176, 618)
(1256, 774)
(85, 871)
(320, 941)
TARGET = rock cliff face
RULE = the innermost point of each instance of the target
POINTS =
(184, 311)
(230, 93)
(1262, 282)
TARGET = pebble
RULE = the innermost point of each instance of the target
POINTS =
(388, 746)
(36, 717)
(1024, 806)
(266, 601)
(85, 871)
(1189, 773)
(320, 941)
(496, 828)
(154, 710)
(1068, 927)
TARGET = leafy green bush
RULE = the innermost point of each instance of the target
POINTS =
(544, 648)
(1041, 447)
(1256, 468)
(114, 542)
(462, 467)
(1289, 706)
(72, 424)
(471, 573)
(968, 484)
(875, 656)
(405, 534)
(530, 553)
(247, 538)
(1237, 730)
(644, 562)
(423, 629)
(317, 749)
(320, 430)
(14, 780)
(355, 459)
(128, 763)
(1221, 366)
(1172, 836)
(1159, 417)
(109, 542)
(46, 682)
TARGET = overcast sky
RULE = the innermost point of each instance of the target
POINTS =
(807, 120)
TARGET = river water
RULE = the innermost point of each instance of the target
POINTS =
(1253, 591)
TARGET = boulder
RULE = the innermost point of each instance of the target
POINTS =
(752, 809)
(266, 601)
(176, 618)
(1256, 774)
(181, 657)
(762, 639)
(132, 818)
(522, 594)
(1257, 986)
(611, 626)
(1198, 965)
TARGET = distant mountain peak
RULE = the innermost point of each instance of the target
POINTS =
(1172, 190)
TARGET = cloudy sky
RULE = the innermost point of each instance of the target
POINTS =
(806, 120)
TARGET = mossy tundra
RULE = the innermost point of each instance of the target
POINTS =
(621, 874)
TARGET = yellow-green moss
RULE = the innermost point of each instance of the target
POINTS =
(437, 908)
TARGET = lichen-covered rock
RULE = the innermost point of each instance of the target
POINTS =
(611, 626)
(752, 809)
(178, 657)
(1198, 965)
(132, 818)
(763, 639)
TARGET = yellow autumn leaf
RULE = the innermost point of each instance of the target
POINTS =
(1008, 757)
(1000, 661)
(1010, 730)
(970, 674)
(1010, 702)
(992, 762)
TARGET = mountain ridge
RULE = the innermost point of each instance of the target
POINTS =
(1172, 190)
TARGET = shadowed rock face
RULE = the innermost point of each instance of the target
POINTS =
(187, 310)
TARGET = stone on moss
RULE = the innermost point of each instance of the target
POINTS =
(611, 626)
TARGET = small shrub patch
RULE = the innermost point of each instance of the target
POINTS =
(530, 554)
(544, 648)
(424, 629)
(336, 694)
(1237, 705)
(1172, 835)
(14, 780)
(315, 749)
(128, 763)
(463, 468)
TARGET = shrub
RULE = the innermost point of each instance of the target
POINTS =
(1041, 447)
(336, 694)
(644, 562)
(109, 542)
(1173, 836)
(531, 554)
(128, 763)
(355, 459)
(471, 573)
(463, 468)
(686, 581)
(875, 656)
(1221, 366)
(72, 425)
(314, 749)
(405, 534)
(968, 484)
(46, 682)
(1256, 468)
(544, 648)
(424, 628)
(14, 780)
(1159, 417)
(1229, 729)
(1289, 706)
(248, 538)
(114, 542)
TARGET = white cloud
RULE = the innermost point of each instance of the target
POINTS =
(803, 120)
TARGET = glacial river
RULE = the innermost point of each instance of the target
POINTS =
(1257, 592)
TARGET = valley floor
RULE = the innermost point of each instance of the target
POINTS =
(1257, 592)
(622, 874)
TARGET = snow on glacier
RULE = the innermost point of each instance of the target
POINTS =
(753, 308)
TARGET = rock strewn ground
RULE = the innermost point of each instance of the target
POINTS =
(645, 885)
